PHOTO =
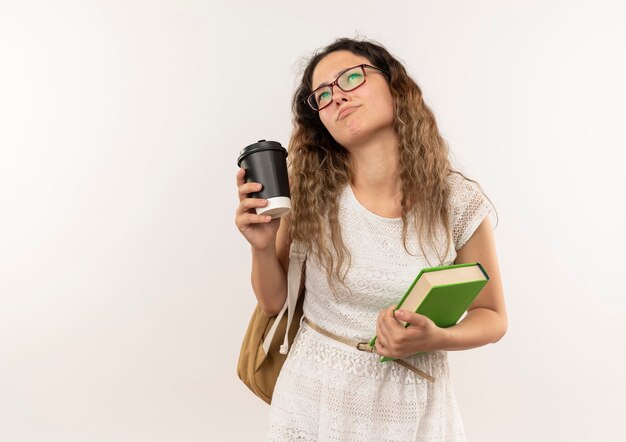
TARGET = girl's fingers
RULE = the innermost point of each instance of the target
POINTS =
(247, 219)
(250, 203)
(248, 188)
(241, 175)
(392, 322)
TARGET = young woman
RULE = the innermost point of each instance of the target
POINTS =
(374, 200)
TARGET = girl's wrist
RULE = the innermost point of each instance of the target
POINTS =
(445, 339)
(264, 252)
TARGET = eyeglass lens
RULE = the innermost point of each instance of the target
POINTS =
(349, 80)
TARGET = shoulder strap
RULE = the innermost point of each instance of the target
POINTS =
(297, 257)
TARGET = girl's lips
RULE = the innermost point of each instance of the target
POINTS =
(346, 111)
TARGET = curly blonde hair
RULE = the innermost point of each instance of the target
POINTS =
(320, 167)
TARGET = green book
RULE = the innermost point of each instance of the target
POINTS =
(442, 293)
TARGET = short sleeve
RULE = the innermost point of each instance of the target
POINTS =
(469, 207)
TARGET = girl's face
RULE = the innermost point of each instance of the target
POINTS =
(355, 116)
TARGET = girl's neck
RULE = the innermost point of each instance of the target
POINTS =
(375, 168)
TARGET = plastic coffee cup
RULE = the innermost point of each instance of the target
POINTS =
(265, 162)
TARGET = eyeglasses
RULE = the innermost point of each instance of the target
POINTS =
(348, 80)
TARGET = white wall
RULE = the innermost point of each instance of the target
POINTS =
(124, 283)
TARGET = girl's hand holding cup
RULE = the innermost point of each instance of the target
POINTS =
(264, 196)
(259, 230)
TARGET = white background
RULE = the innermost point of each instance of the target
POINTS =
(124, 282)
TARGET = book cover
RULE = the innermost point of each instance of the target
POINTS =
(442, 294)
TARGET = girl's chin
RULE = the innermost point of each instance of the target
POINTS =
(359, 133)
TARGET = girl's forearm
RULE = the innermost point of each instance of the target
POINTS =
(480, 326)
(269, 280)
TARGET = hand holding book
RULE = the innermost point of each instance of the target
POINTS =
(436, 300)
(394, 340)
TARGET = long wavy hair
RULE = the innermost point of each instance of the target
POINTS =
(320, 167)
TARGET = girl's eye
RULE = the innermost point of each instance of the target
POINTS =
(354, 77)
(323, 96)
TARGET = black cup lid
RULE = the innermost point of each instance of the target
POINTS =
(259, 146)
